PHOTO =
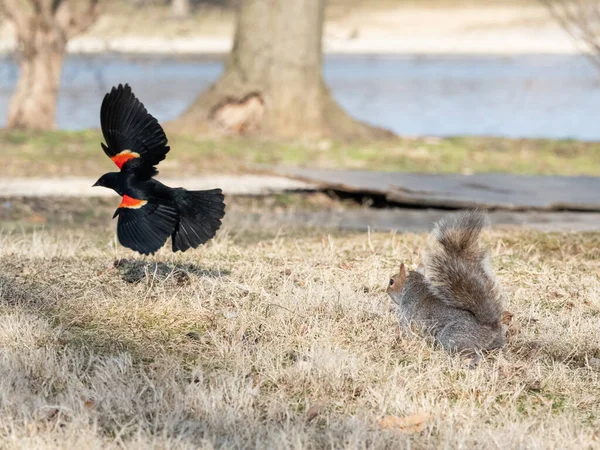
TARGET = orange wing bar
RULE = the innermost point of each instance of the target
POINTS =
(132, 203)
(123, 157)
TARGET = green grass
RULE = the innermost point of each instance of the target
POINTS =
(61, 153)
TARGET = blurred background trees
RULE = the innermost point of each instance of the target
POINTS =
(273, 79)
(42, 28)
(180, 8)
(581, 19)
(272, 82)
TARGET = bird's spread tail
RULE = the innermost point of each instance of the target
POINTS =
(200, 217)
(460, 270)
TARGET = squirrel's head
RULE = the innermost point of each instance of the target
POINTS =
(397, 281)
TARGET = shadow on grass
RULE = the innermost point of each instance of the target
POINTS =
(136, 271)
(46, 296)
(44, 301)
(81, 353)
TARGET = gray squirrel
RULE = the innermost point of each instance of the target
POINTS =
(454, 296)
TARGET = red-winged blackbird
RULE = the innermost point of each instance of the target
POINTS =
(150, 212)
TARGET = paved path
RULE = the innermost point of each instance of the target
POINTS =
(360, 219)
(486, 190)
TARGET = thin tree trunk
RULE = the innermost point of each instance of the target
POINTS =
(273, 81)
(180, 8)
(33, 104)
(43, 28)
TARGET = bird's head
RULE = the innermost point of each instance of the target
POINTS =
(108, 180)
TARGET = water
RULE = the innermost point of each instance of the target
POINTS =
(524, 96)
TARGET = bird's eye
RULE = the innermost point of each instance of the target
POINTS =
(391, 281)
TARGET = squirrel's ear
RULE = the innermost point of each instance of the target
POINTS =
(421, 268)
(402, 273)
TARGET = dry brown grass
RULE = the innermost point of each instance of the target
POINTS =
(286, 342)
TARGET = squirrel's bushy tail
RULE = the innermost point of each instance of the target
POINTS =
(459, 269)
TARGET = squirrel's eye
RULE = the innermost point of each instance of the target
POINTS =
(391, 281)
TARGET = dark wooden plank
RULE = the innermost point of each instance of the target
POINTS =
(490, 191)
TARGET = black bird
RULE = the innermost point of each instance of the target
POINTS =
(150, 212)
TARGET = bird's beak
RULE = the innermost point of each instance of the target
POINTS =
(95, 184)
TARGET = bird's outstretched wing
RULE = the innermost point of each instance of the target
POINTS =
(134, 138)
(145, 225)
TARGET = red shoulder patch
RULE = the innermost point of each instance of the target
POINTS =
(123, 157)
(132, 203)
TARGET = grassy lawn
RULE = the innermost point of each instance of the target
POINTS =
(281, 341)
(78, 153)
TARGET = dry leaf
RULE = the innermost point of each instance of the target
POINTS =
(241, 334)
(36, 218)
(506, 317)
(313, 412)
(52, 413)
(542, 400)
(193, 335)
(182, 278)
(535, 385)
(409, 424)
(587, 401)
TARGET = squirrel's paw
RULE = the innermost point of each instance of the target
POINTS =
(471, 360)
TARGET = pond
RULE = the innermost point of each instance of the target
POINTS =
(521, 96)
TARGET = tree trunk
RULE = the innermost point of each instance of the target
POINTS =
(180, 8)
(43, 28)
(33, 104)
(273, 82)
